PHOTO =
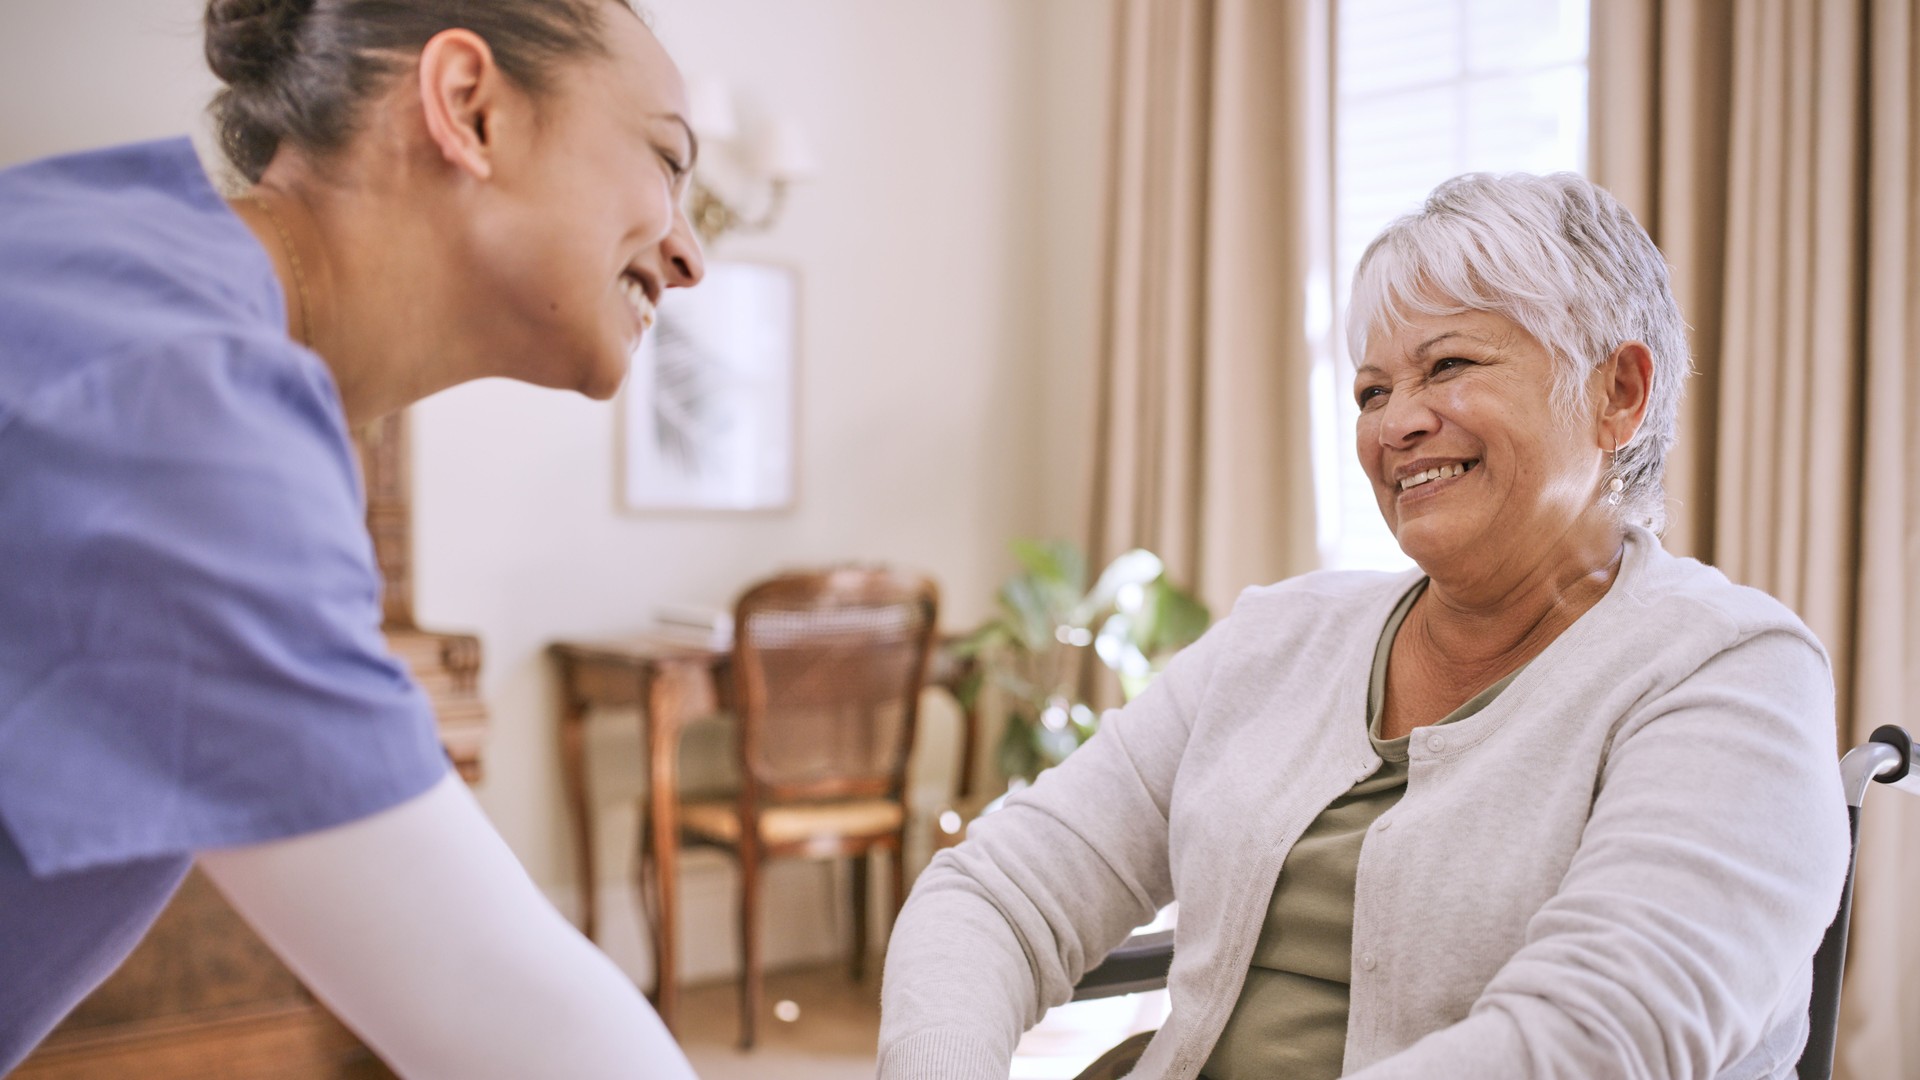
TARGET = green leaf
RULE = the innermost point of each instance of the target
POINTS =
(1017, 755)
(1053, 563)
(1116, 635)
(1170, 620)
(1028, 614)
(986, 638)
(1136, 567)
(1124, 655)
(1137, 645)
(1019, 689)
(1132, 685)
(1042, 604)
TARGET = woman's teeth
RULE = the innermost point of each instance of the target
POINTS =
(1438, 473)
(636, 296)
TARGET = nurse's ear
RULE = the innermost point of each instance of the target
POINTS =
(466, 100)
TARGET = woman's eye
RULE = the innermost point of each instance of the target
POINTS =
(675, 167)
(1366, 395)
(1449, 363)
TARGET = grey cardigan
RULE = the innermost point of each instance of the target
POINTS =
(1620, 868)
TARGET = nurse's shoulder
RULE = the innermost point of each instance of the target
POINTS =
(121, 255)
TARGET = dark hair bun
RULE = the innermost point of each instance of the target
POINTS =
(248, 41)
(298, 71)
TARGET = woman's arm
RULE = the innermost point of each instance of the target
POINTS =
(1705, 877)
(420, 930)
(1000, 928)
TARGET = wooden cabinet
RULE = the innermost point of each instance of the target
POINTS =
(202, 997)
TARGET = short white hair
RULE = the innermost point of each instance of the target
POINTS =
(1566, 262)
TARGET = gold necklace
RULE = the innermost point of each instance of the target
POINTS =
(305, 336)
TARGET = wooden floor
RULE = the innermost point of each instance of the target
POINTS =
(254, 1044)
(832, 1038)
(837, 1027)
(832, 1033)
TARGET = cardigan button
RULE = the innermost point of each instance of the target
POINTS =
(1383, 824)
(1366, 961)
(1436, 743)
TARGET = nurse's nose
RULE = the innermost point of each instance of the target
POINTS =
(685, 264)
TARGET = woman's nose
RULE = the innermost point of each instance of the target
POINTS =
(1405, 419)
(684, 263)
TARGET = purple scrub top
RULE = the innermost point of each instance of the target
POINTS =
(190, 653)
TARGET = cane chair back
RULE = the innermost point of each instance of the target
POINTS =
(828, 668)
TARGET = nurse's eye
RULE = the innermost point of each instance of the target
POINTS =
(1369, 395)
(675, 167)
(1450, 363)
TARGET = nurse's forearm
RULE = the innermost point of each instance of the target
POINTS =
(421, 931)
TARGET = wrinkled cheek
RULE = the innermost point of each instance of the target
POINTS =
(1366, 447)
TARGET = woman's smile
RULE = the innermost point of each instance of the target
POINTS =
(1426, 479)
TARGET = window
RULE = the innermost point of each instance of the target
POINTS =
(1425, 90)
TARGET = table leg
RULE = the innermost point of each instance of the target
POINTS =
(666, 700)
(573, 775)
(969, 724)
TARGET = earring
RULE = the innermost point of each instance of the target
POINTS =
(1615, 485)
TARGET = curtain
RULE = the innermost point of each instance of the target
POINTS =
(1883, 987)
(1216, 220)
(1659, 89)
(1770, 149)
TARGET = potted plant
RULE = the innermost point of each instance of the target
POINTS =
(1034, 650)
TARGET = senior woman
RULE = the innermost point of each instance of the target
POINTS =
(190, 663)
(1554, 804)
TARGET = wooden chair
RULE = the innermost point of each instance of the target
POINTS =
(827, 672)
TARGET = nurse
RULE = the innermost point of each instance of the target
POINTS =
(190, 664)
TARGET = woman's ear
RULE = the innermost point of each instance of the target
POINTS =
(460, 94)
(1626, 385)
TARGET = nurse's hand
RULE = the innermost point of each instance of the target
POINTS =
(420, 930)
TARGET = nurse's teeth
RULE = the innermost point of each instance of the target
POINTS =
(637, 297)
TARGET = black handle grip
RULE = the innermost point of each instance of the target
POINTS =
(1895, 736)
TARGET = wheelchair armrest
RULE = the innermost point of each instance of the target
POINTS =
(1136, 964)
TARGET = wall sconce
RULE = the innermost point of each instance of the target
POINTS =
(740, 183)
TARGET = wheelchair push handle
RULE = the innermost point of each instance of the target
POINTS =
(1887, 757)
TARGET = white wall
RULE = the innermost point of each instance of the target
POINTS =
(947, 253)
(85, 73)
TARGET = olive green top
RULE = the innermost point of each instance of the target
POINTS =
(1291, 1018)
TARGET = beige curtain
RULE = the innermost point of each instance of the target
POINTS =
(1770, 148)
(1216, 218)
(1659, 91)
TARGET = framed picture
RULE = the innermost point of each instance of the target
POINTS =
(708, 412)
